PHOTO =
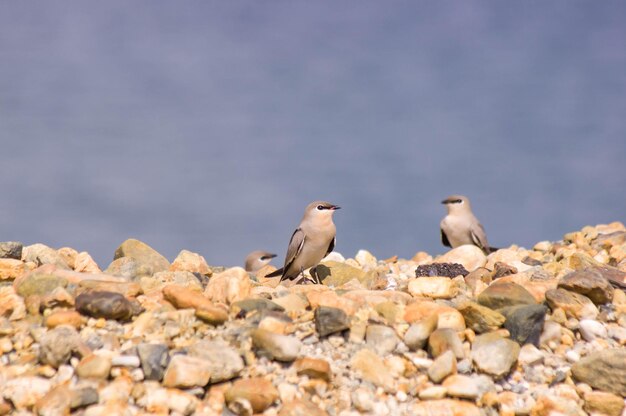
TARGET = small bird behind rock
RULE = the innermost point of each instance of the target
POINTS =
(258, 259)
(461, 227)
(313, 239)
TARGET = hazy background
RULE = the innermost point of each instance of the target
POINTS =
(209, 126)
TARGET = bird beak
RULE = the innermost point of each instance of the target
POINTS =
(268, 256)
(445, 201)
(334, 207)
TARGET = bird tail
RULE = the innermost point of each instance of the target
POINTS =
(492, 250)
(277, 272)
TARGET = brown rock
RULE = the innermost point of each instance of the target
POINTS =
(301, 407)
(71, 318)
(604, 403)
(259, 392)
(549, 405)
(229, 286)
(330, 299)
(108, 305)
(447, 316)
(590, 283)
(448, 407)
(42, 254)
(128, 289)
(11, 269)
(214, 315)
(313, 368)
(56, 402)
(83, 263)
(186, 372)
(11, 305)
(442, 340)
(145, 255)
(603, 370)
(480, 318)
(184, 298)
(372, 368)
(574, 305)
(69, 255)
(94, 367)
(502, 294)
(187, 261)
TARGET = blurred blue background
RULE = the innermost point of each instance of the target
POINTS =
(209, 126)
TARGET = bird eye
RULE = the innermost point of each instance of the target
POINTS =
(320, 207)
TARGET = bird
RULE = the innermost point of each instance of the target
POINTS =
(258, 259)
(310, 242)
(461, 227)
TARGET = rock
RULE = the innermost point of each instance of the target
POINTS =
(432, 287)
(213, 315)
(259, 392)
(128, 268)
(57, 345)
(229, 286)
(551, 333)
(224, 361)
(416, 336)
(107, 305)
(502, 269)
(40, 284)
(549, 405)
(71, 318)
(433, 393)
(336, 274)
(603, 370)
(525, 322)
(603, 403)
(382, 339)
(160, 280)
(391, 311)
(442, 367)
(480, 318)
(275, 346)
(441, 269)
(185, 298)
(127, 289)
(11, 269)
(313, 368)
(24, 392)
(493, 354)
(11, 305)
(84, 263)
(11, 250)
(83, 397)
(292, 303)
(329, 298)
(442, 340)
(503, 294)
(590, 329)
(94, 366)
(366, 259)
(301, 407)
(447, 317)
(42, 254)
(56, 402)
(276, 322)
(530, 355)
(244, 307)
(470, 257)
(154, 359)
(187, 261)
(160, 400)
(574, 305)
(462, 387)
(186, 372)
(370, 367)
(148, 258)
(330, 320)
(590, 283)
(446, 407)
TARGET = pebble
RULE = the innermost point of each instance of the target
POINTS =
(590, 329)
(382, 339)
(493, 354)
(107, 305)
(330, 320)
(275, 346)
(259, 392)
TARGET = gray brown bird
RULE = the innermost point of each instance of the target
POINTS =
(311, 241)
(460, 226)
(258, 259)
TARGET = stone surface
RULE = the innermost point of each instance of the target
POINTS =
(301, 407)
(11, 250)
(259, 392)
(447, 317)
(525, 322)
(58, 318)
(481, 318)
(442, 340)
(336, 274)
(443, 366)
(589, 282)
(11, 269)
(148, 258)
(313, 368)
(604, 403)
(154, 359)
(504, 294)
(185, 372)
(417, 334)
(94, 367)
(330, 320)
(42, 254)
(574, 304)
(493, 354)
(603, 370)
(57, 345)
(446, 407)
(275, 346)
(371, 367)
(432, 287)
(188, 261)
(108, 305)
(441, 269)
(590, 329)
(25, 392)
(40, 284)
(229, 286)
(11, 304)
(381, 338)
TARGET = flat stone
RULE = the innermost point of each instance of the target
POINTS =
(229, 286)
(147, 257)
(432, 287)
(154, 359)
(58, 318)
(57, 345)
(186, 372)
(574, 304)
(442, 340)
(481, 318)
(184, 298)
(129, 289)
(188, 261)
(603, 403)
(462, 387)
(381, 338)
(224, 361)
(94, 367)
(590, 283)
(259, 392)
(11, 250)
(330, 320)
(525, 322)
(493, 354)
(416, 336)
(502, 294)
(108, 305)
(370, 367)
(275, 346)
(442, 367)
(603, 370)
(313, 368)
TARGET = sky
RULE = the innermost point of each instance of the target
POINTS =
(209, 126)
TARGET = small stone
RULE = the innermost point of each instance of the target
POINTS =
(450, 407)
(229, 286)
(244, 307)
(107, 305)
(224, 361)
(381, 338)
(590, 330)
(55, 402)
(432, 287)
(11, 269)
(603, 370)
(442, 340)
(480, 318)
(590, 283)
(574, 304)
(129, 268)
(94, 367)
(277, 323)
(525, 322)
(551, 333)
(82, 397)
(469, 256)
(549, 404)
(433, 393)
(603, 403)
(25, 391)
(301, 407)
(11, 250)
(503, 294)
(131, 361)
(362, 400)
(147, 257)
(57, 345)
(292, 303)
(160, 280)
(259, 392)
(530, 355)
(313, 368)
(493, 354)
(331, 299)
(42, 254)
(416, 336)
(58, 318)
(463, 387)
(169, 400)
(154, 358)
(84, 263)
(442, 367)
(330, 320)
(185, 372)
(187, 261)
(337, 274)
(275, 346)
(370, 367)
(213, 315)
(11, 304)
(365, 258)
(447, 316)
(441, 269)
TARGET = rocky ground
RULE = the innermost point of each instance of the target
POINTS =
(538, 331)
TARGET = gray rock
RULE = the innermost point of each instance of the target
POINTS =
(416, 336)
(330, 320)
(225, 361)
(83, 397)
(589, 282)
(108, 305)
(42, 254)
(503, 294)
(603, 370)
(381, 339)
(154, 359)
(275, 346)
(525, 322)
(57, 345)
(493, 354)
(11, 250)
(128, 268)
(445, 339)
(442, 367)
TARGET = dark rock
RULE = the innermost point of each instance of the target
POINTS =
(154, 360)
(503, 294)
(244, 307)
(525, 322)
(83, 397)
(589, 282)
(145, 255)
(502, 269)
(330, 320)
(441, 269)
(11, 250)
(531, 262)
(108, 305)
(603, 370)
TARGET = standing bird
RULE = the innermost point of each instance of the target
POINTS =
(311, 242)
(258, 259)
(460, 226)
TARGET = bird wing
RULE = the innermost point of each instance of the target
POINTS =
(331, 246)
(444, 239)
(295, 247)
(477, 232)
